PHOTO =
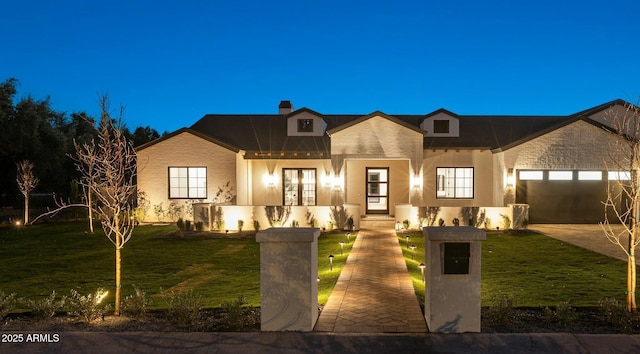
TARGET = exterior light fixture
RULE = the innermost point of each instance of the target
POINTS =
(341, 247)
(511, 180)
(407, 238)
(413, 248)
(422, 266)
(331, 263)
(348, 234)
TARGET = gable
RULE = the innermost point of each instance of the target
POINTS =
(305, 123)
(441, 124)
(377, 136)
(578, 145)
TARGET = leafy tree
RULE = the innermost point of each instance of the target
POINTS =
(143, 135)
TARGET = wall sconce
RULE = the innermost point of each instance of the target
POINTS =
(326, 180)
(416, 182)
(511, 179)
(269, 180)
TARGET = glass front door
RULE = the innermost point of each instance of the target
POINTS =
(377, 190)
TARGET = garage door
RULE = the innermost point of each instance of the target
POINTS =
(562, 196)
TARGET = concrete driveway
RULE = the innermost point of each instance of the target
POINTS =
(589, 236)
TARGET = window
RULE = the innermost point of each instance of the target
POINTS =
(299, 186)
(440, 126)
(560, 175)
(590, 175)
(619, 176)
(305, 125)
(454, 182)
(187, 182)
(530, 175)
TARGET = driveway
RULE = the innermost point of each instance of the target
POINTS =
(589, 236)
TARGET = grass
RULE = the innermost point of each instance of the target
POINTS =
(535, 270)
(60, 256)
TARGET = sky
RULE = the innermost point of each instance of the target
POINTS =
(171, 62)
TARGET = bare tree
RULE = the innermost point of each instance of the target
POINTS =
(27, 181)
(623, 196)
(109, 173)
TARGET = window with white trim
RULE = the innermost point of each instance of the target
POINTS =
(590, 175)
(619, 176)
(187, 182)
(454, 182)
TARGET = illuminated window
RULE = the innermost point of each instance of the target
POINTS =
(590, 175)
(305, 125)
(187, 182)
(619, 176)
(530, 175)
(560, 175)
(299, 186)
(454, 182)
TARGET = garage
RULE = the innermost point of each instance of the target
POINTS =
(564, 197)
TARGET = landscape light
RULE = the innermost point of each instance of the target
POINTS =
(407, 238)
(341, 247)
(331, 263)
(348, 234)
(413, 248)
(422, 266)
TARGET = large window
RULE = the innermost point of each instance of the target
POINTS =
(299, 186)
(454, 182)
(188, 182)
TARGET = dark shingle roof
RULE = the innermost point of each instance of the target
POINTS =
(265, 135)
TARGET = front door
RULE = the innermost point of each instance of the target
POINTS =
(377, 190)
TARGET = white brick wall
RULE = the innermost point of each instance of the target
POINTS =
(183, 150)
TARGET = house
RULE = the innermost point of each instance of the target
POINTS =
(380, 163)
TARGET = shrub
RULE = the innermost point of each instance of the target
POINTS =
(456, 222)
(187, 225)
(183, 308)
(199, 226)
(487, 223)
(616, 313)
(441, 222)
(501, 311)
(406, 224)
(158, 211)
(294, 223)
(237, 316)
(87, 307)
(8, 303)
(47, 307)
(338, 215)
(240, 225)
(180, 224)
(506, 222)
(564, 314)
(256, 225)
(350, 223)
(136, 303)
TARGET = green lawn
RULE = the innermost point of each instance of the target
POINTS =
(535, 270)
(59, 256)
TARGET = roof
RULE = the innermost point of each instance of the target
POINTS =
(265, 135)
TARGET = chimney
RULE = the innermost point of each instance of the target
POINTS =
(285, 107)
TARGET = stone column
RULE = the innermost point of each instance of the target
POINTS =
(288, 278)
(452, 278)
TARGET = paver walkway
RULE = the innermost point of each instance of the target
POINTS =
(374, 293)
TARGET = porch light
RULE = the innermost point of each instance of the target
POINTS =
(511, 180)
(416, 181)
(269, 180)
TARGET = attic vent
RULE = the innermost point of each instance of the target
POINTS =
(285, 107)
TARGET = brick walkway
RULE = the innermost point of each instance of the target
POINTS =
(374, 293)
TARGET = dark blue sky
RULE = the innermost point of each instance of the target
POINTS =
(170, 63)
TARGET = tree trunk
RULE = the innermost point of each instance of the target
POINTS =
(631, 272)
(90, 205)
(26, 209)
(118, 269)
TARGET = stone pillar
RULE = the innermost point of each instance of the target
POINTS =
(288, 278)
(452, 278)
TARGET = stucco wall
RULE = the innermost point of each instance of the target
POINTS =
(182, 150)
(483, 175)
